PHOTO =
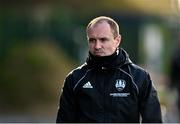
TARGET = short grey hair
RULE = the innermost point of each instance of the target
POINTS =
(113, 24)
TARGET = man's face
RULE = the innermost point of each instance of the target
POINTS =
(101, 40)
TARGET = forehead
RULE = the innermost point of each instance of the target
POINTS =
(100, 28)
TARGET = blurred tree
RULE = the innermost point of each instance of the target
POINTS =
(32, 75)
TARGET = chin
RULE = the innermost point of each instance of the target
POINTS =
(99, 54)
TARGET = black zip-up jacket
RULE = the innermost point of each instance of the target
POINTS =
(109, 89)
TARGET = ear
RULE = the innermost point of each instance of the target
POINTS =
(118, 40)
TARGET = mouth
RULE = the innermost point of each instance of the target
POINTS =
(98, 53)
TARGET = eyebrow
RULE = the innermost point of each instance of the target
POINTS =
(101, 38)
(98, 37)
(91, 39)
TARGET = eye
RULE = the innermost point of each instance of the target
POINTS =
(103, 39)
(92, 40)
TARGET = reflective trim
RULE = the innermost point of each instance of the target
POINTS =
(81, 79)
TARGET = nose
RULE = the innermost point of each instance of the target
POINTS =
(97, 45)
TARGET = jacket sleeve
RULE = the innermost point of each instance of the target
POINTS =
(149, 103)
(66, 111)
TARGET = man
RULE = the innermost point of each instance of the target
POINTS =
(108, 87)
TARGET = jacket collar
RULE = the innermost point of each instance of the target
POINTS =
(117, 59)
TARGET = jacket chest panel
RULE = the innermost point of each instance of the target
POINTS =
(107, 86)
(107, 91)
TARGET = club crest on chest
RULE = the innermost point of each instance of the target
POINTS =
(120, 84)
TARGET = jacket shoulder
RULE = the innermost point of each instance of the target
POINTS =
(77, 73)
(138, 71)
(141, 76)
(78, 70)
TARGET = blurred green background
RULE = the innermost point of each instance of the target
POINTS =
(41, 41)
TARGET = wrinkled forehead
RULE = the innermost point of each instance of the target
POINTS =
(100, 30)
(100, 27)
